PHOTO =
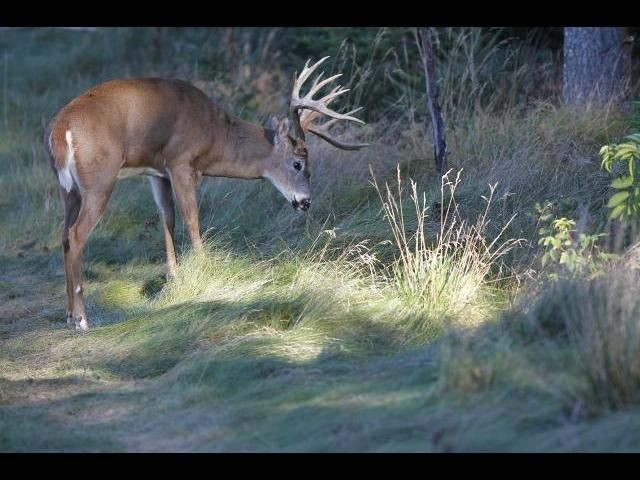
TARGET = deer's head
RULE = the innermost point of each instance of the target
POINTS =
(289, 169)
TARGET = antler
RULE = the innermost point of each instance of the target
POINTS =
(306, 110)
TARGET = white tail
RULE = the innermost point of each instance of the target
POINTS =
(172, 132)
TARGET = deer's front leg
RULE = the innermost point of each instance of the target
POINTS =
(185, 180)
(72, 202)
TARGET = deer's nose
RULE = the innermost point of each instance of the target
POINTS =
(303, 204)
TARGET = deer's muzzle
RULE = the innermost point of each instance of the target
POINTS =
(303, 204)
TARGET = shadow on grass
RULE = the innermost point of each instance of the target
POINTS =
(246, 403)
(263, 374)
(54, 425)
(221, 376)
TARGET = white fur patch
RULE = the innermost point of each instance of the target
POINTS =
(286, 193)
(157, 192)
(67, 175)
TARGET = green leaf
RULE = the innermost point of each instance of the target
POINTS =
(617, 211)
(618, 198)
(622, 182)
(634, 137)
(564, 258)
(626, 149)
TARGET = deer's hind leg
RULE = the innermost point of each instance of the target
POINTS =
(161, 188)
(72, 201)
(85, 201)
(92, 206)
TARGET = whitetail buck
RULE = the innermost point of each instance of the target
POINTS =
(172, 132)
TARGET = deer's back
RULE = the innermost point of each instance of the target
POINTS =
(140, 117)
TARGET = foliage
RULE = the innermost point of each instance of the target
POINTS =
(625, 203)
(449, 275)
(570, 252)
(635, 117)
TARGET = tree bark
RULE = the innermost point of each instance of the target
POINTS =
(439, 141)
(596, 65)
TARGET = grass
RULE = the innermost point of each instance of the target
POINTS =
(450, 278)
(399, 314)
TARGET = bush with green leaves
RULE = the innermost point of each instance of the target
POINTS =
(569, 252)
(625, 203)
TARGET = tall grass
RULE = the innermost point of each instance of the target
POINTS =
(451, 276)
(600, 320)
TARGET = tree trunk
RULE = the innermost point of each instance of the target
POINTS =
(439, 142)
(596, 65)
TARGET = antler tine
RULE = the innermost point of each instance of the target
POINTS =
(338, 143)
(319, 105)
(320, 108)
(306, 72)
(322, 132)
(307, 117)
(317, 86)
(335, 120)
(306, 110)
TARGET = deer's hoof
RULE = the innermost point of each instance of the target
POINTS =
(81, 323)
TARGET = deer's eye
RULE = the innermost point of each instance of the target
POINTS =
(297, 165)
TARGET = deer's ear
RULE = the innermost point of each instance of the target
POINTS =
(282, 129)
(271, 123)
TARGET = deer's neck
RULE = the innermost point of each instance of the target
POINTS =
(242, 150)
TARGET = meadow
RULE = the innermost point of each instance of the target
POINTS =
(401, 313)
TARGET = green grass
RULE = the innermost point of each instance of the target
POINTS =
(365, 325)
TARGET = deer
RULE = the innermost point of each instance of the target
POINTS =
(171, 132)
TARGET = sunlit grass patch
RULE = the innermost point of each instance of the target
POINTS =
(119, 294)
(452, 275)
